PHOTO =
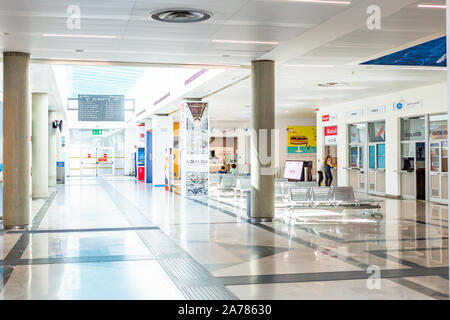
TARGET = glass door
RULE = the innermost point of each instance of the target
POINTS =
(105, 161)
(377, 162)
(88, 162)
(412, 160)
(357, 170)
(438, 157)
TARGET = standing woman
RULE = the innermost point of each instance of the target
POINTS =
(327, 167)
(320, 165)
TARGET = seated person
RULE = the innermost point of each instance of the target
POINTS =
(222, 170)
(233, 169)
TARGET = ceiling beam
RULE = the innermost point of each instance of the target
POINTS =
(352, 19)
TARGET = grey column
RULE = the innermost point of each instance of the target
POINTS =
(51, 149)
(39, 142)
(17, 140)
(262, 124)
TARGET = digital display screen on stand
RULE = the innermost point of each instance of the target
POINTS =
(293, 170)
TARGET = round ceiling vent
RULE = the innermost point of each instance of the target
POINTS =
(332, 84)
(181, 15)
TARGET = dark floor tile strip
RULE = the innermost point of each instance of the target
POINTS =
(43, 211)
(402, 261)
(20, 246)
(82, 230)
(297, 239)
(329, 276)
(427, 223)
(285, 235)
(409, 250)
(419, 288)
(177, 263)
(87, 259)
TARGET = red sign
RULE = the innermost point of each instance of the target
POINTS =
(89, 155)
(326, 118)
(331, 131)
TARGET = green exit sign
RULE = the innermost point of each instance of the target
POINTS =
(97, 132)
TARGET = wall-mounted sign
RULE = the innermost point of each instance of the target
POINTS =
(97, 132)
(414, 104)
(302, 139)
(399, 106)
(376, 110)
(355, 113)
(331, 134)
(329, 117)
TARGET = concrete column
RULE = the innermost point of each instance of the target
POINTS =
(262, 125)
(17, 140)
(39, 124)
(51, 149)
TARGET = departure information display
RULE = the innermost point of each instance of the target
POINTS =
(101, 108)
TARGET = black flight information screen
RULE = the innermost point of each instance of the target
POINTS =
(101, 107)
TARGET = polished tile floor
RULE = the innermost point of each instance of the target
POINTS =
(115, 238)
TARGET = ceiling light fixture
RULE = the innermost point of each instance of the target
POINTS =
(181, 15)
(322, 1)
(246, 42)
(308, 65)
(95, 36)
(432, 6)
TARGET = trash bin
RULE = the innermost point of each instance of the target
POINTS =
(60, 172)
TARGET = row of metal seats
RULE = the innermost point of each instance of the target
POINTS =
(328, 197)
(241, 184)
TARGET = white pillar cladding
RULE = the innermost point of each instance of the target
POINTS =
(194, 148)
(162, 127)
(263, 123)
(52, 136)
(39, 142)
(17, 140)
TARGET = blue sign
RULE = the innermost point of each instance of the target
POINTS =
(429, 54)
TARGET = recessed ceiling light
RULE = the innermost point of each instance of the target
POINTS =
(79, 50)
(246, 42)
(433, 6)
(181, 15)
(79, 36)
(322, 1)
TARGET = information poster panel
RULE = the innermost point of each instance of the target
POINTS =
(293, 170)
(101, 108)
(302, 139)
(194, 148)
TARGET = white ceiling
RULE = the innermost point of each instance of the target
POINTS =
(308, 33)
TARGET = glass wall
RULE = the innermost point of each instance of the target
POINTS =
(94, 151)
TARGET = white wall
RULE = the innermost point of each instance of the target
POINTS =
(434, 99)
(130, 143)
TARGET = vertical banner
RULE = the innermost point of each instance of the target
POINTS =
(194, 148)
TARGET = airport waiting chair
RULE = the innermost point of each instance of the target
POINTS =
(227, 183)
(215, 178)
(344, 196)
(300, 197)
(321, 196)
(243, 184)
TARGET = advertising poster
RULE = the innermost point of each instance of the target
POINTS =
(302, 139)
(194, 148)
